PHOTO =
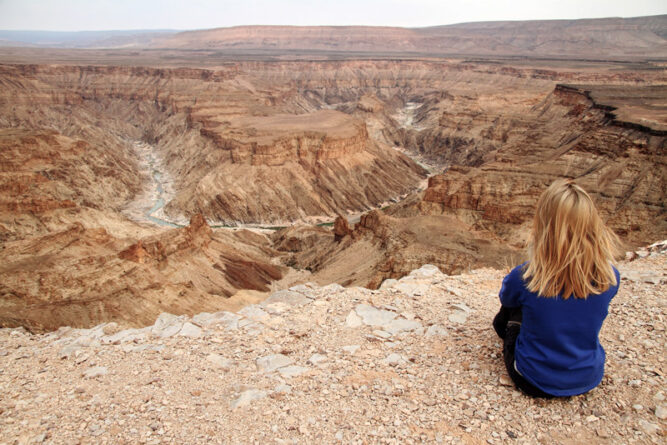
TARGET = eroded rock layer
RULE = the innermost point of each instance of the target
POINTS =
(282, 141)
(622, 166)
(81, 277)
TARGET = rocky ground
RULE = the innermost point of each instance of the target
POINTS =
(415, 361)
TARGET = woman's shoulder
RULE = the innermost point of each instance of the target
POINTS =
(516, 275)
(518, 270)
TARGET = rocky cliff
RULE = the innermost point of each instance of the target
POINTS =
(623, 166)
(223, 134)
(381, 247)
(81, 276)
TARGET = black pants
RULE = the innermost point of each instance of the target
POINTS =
(507, 324)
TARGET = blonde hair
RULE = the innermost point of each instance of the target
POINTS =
(570, 249)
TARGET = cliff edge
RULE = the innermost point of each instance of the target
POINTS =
(416, 360)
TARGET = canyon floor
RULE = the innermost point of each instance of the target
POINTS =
(414, 361)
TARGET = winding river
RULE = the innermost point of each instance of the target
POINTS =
(149, 205)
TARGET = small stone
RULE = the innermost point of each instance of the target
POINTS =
(661, 412)
(292, 371)
(272, 362)
(394, 359)
(591, 418)
(96, 371)
(458, 317)
(254, 313)
(287, 297)
(353, 320)
(81, 358)
(316, 359)
(282, 389)
(637, 407)
(401, 325)
(388, 283)
(247, 397)
(505, 381)
(373, 316)
(381, 334)
(219, 361)
(601, 432)
(111, 328)
(436, 331)
(635, 383)
(166, 320)
(411, 289)
(648, 427)
(171, 330)
(68, 351)
(351, 349)
(426, 271)
(228, 320)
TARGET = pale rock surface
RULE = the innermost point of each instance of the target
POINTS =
(247, 397)
(373, 316)
(190, 330)
(272, 362)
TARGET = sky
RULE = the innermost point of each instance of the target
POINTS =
(93, 15)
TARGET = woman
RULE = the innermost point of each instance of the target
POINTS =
(553, 306)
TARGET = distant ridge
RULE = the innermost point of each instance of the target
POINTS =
(629, 38)
(608, 37)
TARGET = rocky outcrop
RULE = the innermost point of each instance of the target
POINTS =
(43, 170)
(81, 277)
(380, 247)
(222, 144)
(341, 228)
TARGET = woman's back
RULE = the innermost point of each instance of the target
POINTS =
(557, 349)
(554, 305)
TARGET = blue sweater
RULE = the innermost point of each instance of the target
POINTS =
(558, 349)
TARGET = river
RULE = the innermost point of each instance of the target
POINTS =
(149, 205)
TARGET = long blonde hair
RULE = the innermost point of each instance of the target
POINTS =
(570, 249)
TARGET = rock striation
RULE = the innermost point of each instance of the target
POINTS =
(622, 166)
(81, 277)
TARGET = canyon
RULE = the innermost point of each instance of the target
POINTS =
(171, 179)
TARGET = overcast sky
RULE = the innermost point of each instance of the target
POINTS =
(76, 15)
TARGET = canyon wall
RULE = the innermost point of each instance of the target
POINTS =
(622, 166)
(277, 142)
